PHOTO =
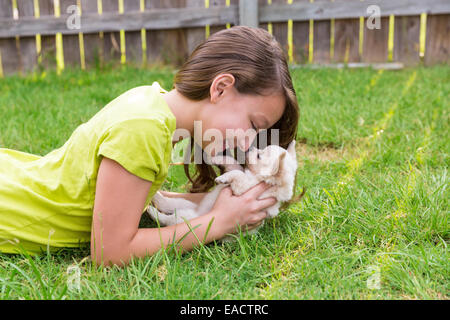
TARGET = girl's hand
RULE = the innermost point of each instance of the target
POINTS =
(244, 210)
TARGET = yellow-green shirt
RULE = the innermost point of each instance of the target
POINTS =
(48, 201)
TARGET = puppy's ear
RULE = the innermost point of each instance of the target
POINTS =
(291, 149)
(274, 166)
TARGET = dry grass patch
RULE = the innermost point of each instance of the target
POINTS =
(324, 152)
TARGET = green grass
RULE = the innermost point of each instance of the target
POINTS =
(374, 157)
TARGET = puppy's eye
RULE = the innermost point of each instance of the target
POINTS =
(258, 156)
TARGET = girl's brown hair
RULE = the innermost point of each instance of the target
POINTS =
(259, 65)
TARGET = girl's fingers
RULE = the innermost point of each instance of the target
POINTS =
(265, 203)
(262, 216)
(258, 190)
(258, 217)
(253, 226)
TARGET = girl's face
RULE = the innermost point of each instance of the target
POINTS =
(232, 119)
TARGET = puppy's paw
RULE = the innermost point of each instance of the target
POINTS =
(230, 177)
(222, 180)
(163, 204)
(273, 211)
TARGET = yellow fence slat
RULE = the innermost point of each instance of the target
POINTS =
(228, 3)
(207, 28)
(123, 53)
(269, 25)
(423, 34)
(1, 65)
(361, 36)
(81, 42)
(143, 37)
(290, 38)
(391, 38)
(37, 15)
(311, 39)
(59, 41)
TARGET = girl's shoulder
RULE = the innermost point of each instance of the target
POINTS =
(141, 104)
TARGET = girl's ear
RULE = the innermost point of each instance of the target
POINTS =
(219, 84)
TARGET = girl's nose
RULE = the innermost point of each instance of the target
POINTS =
(247, 153)
(244, 143)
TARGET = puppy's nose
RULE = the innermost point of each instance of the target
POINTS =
(249, 150)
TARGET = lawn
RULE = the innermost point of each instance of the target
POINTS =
(373, 153)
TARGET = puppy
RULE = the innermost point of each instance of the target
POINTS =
(273, 165)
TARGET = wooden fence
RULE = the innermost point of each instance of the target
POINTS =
(83, 33)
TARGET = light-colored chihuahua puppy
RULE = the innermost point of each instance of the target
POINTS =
(273, 165)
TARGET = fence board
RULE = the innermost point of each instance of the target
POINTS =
(194, 36)
(158, 19)
(111, 40)
(352, 9)
(300, 31)
(263, 25)
(217, 15)
(172, 35)
(249, 12)
(407, 40)
(166, 46)
(133, 40)
(322, 35)
(346, 40)
(375, 48)
(280, 29)
(48, 43)
(28, 55)
(71, 43)
(215, 3)
(8, 47)
(93, 44)
(234, 3)
(346, 37)
(437, 49)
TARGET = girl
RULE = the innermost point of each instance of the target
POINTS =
(96, 186)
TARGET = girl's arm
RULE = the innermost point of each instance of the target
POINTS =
(119, 203)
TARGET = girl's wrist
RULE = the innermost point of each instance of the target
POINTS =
(220, 226)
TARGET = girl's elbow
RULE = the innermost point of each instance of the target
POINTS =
(109, 257)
